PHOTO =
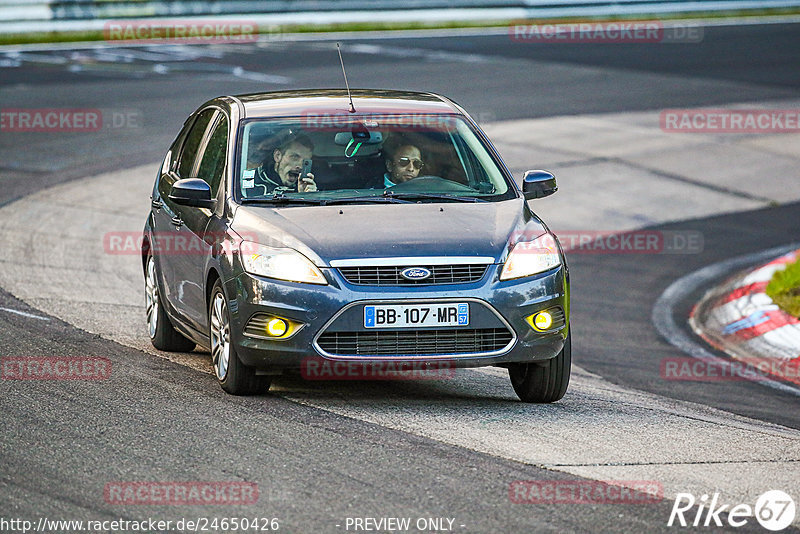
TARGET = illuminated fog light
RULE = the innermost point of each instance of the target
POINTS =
(277, 327)
(541, 321)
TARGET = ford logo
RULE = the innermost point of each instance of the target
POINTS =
(415, 273)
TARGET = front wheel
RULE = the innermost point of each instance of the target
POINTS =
(543, 382)
(234, 377)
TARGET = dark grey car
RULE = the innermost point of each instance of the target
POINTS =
(287, 229)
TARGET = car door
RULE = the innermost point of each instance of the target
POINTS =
(194, 240)
(161, 215)
(171, 237)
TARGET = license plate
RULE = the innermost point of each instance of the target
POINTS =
(416, 315)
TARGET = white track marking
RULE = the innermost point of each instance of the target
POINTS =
(24, 314)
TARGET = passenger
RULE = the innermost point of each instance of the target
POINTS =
(284, 168)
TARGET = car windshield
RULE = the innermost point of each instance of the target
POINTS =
(380, 158)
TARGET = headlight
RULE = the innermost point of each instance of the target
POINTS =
(281, 263)
(531, 257)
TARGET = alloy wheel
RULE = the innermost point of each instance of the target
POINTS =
(220, 336)
(151, 297)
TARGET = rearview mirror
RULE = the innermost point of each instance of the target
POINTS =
(192, 192)
(365, 137)
(538, 184)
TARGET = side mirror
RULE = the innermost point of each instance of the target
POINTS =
(192, 192)
(538, 184)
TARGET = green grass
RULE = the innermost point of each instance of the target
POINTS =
(49, 37)
(274, 31)
(784, 289)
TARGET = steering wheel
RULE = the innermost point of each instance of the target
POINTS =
(432, 184)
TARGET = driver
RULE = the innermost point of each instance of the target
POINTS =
(403, 163)
(285, 167)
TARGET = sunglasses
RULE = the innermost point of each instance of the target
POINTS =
(403, 162)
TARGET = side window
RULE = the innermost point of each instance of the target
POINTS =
(170, 160)
(192, 142)
(469, 165)
(212, 164)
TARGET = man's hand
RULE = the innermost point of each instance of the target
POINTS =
(306, 184)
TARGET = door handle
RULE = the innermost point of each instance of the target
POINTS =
(156, 204)
(177, 221)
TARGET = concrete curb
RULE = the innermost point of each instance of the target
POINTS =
(738, 318)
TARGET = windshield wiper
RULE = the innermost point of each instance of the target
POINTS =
(429, 196)
(279, 197)
(375, 199)
(281, 200)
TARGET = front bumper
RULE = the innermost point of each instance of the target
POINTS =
(320, 309)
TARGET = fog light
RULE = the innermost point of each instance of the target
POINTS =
(277, 327)
(541, 321)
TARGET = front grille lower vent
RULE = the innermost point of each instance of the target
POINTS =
(559, 319)
(428, 342)
(257, 326)
(390, 275)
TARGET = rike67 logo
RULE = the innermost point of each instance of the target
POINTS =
(774, 510)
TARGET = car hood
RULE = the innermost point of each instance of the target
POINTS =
(326, 233)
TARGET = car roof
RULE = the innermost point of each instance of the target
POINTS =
(334, 102)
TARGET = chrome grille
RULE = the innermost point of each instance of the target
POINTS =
(383, 343)
(390, 275)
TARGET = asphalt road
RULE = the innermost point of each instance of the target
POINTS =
(154, 420)
(616, 288)
(63, 441)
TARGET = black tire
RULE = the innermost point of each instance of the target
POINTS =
(543, 382)
(163, 335)
(233, 376)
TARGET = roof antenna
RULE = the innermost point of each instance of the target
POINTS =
(352, 107)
